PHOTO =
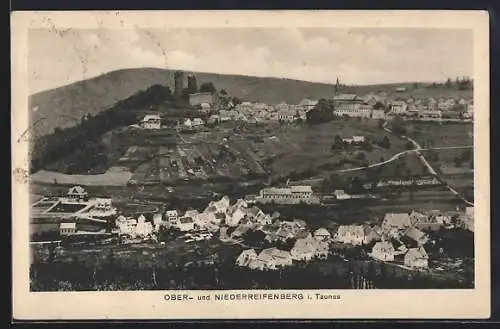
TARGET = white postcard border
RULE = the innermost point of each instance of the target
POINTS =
(375, 304)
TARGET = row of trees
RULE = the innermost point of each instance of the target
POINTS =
(463, 83)
(215, 273)
(322, 112)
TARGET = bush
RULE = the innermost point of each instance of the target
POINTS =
(385, 143)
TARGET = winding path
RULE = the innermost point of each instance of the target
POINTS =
(419, 148)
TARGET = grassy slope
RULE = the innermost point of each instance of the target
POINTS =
(64, 106)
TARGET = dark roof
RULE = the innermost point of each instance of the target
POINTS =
(185, 220)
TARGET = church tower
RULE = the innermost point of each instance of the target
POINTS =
(337, 87)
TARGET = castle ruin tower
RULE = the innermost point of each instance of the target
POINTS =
(178, 83)
(192, 83)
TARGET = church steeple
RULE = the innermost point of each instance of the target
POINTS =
(337, 86)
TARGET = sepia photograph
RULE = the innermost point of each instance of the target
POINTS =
(251, 162)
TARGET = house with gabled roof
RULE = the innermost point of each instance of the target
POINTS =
(303, 250)
(220, 206)
(372, 234)
(240, 231)
(416, 258)
(246, 257)
(416, 235)
(67, 228)
(77, 193)
(384, 251)
(186, 224)
(351, 234)
(322, 234)
(151, 121)
(272, 259)
(394, 222)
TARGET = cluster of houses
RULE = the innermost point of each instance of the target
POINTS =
(133, 228)
(401, 236)
(399, 239)
(307, 246)
(256, 112)
(154, 122)
(370, 106)
(352, 106)
(380, 106)
(240, 216)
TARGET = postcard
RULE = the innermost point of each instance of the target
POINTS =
(250, 165)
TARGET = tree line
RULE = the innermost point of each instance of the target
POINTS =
(76, 274)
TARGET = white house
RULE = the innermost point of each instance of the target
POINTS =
(205, 107)
(246, 257)
(398, 107)
(197, 122)
(358, 139)
(188, 123)
(126, 226)
(101, 207)
(416, 258)
(322, 234)
(205, 220)
(143, 228)
(293, 194)
(372, 234)
(383, 251)
(67, 228)
(351, 234)
(151, 121)
(186, 224)
(341, 195)
(191, 213)
(234, 217)
(213, 119)
(158, 219)
(77, 193)
(287, 115)
(272, 259)
(394, 222)
(378, 114)
(220, 206)
(303, 250)
(236, 212)
(172, 217)
(353, 110)
(417, 235)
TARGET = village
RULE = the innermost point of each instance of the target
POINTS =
(218, 108)
(265, 172)
(270, 242)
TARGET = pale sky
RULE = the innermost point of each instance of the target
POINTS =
(357, 56)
